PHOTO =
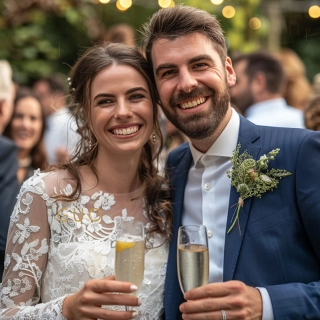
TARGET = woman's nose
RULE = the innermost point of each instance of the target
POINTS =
(123, 110)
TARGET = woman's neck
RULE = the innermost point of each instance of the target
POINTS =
(116, 174)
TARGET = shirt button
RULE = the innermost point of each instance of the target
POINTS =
(207, 186)
(210, 233)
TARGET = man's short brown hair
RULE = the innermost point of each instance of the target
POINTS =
(180, 20)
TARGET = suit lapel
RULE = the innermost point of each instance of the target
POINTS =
(248, 134)
(179, 177)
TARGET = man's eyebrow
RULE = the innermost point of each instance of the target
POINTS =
(164, 66)
(201, 57)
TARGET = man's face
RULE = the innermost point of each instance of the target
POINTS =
(241, 93)
(192, 82)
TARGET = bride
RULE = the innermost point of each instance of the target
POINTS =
(60, 251)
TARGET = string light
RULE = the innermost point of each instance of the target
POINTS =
(125, 3)
(216, 2)
(255, 23)
(228, 12)
(164, 3)
(314, 12)
(102, 1)
(120, 7)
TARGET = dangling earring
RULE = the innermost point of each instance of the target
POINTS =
(153, 137)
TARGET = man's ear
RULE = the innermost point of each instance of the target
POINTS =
(230, 73)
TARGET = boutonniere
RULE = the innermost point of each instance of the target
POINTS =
(252, 178)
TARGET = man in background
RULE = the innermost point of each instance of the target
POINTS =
(258, 91)
(60, 136)
(9, 186)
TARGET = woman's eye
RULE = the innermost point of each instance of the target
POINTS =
(136, 96)
(104, 101)
(18, 116)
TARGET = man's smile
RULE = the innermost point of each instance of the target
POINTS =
(192, 103)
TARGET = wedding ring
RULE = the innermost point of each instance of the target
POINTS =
(224, 315)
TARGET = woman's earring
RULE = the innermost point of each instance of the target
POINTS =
(154, 137)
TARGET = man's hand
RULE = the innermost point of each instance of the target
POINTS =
(238, 300)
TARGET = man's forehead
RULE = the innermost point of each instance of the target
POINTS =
(163, 48)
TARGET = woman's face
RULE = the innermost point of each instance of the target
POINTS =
(26, 124)
(121, 110)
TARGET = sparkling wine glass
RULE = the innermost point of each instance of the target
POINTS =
(130, 251)
(192, 257)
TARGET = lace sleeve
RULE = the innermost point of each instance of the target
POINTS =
(26, 257)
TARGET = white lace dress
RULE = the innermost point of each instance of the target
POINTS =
(54, 247)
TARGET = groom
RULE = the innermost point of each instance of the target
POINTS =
(268, 265)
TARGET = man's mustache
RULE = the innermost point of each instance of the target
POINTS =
(194, 94)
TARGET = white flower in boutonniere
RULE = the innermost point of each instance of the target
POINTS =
(252, 178)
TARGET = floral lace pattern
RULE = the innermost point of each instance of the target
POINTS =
(54, 247)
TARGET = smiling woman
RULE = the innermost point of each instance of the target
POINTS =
(62, 238)
(26, 129)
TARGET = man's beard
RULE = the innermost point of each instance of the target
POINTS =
(203, 124)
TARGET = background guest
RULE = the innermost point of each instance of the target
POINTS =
(258, 91)
(297, 87)
(9, 186)
(60, 137)
(312, 113)
(26, 129)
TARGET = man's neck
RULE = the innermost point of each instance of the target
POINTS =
(204, 145)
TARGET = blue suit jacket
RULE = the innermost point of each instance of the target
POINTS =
(9, 189)
(279, 245)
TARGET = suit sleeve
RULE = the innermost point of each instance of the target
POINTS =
(302, 300)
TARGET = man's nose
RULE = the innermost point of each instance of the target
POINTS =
(187, 81)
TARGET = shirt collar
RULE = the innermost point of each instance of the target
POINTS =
(226, 142)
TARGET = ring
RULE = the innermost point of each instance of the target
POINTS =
(224, 315)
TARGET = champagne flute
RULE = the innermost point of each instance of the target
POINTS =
(193, 257)
(130, 251)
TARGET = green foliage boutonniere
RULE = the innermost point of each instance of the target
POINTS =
(252, 178)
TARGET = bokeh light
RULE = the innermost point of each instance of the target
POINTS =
(255, 23)
(125, 3)
(120, 7)
(102, 1)
(216, 2)
(228, 12)
(314, 12)
(164, 3)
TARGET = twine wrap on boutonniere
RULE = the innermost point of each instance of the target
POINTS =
(252, 178)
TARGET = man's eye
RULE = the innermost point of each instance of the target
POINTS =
(168, 73)
(200, 65)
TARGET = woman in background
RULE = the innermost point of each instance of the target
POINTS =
(26, 129)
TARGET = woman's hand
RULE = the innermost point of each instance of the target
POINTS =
(86, 303)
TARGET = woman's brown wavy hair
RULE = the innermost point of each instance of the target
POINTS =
(88, 65)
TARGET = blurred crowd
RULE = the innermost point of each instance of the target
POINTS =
(37, 128)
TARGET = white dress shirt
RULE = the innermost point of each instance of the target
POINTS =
(209, 204)
(60, 134)
(275, 113)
